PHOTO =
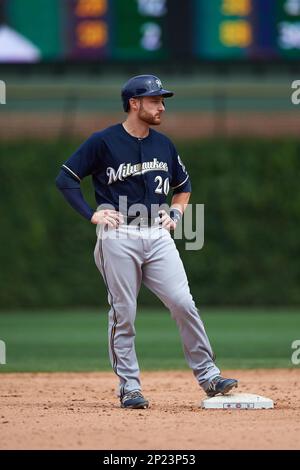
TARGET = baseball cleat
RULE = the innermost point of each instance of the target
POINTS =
(134, 400)
(220, 385)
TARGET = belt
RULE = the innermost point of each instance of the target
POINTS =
(141, 221)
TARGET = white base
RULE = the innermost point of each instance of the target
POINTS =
(237, 401)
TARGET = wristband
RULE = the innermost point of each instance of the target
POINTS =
(175, 215)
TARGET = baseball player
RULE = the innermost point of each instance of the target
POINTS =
(134, 164)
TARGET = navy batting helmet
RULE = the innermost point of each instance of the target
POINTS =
(143, 85)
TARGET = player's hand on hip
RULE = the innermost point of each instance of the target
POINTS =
(107, 217)
(166, 221)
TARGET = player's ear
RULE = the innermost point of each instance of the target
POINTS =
(134, 104)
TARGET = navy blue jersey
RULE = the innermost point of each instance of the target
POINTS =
(144, 170)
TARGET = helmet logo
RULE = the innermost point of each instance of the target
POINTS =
(158, 83)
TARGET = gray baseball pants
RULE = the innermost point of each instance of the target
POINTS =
(128, 256)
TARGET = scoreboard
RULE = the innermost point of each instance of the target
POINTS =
(146, 30)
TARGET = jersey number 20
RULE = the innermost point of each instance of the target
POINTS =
(163, 186)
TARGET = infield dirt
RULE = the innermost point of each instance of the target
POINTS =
(81, 411)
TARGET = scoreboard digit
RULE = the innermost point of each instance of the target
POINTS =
(223, 28)
(139, 31)
(88, 29)
(288, 28)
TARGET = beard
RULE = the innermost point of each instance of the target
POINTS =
(149, 118)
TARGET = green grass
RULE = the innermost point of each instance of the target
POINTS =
(77, 341)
